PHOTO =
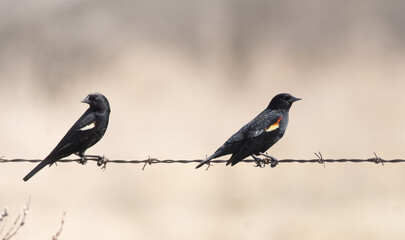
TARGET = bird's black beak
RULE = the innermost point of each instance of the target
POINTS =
(294, 99)
(86, 100)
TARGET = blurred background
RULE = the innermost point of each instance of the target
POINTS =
(181, 77)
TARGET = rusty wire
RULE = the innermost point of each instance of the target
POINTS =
(102, 161)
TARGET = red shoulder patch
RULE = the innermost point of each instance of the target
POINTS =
(274, 126)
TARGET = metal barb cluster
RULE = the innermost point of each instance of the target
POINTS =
(102, 161)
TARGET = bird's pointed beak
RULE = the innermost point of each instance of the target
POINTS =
(86, 100)
(294, 99)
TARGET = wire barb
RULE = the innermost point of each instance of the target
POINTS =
(208, 163)
(378, 160)
(320, 158)
(149, 161)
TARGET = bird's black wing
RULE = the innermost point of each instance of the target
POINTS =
(242, 139)
(255, 135)
(72, 142)
(78, 134)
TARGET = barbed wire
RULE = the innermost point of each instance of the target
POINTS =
(102, 161)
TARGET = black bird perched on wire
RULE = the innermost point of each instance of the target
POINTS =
(258, 135)
(86, 132)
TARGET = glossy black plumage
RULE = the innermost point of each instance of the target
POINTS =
(259, 134)
(86, 132)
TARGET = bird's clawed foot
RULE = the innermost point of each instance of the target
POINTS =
(270, 160)
(260, 162)
(101, 160)
(83, 160)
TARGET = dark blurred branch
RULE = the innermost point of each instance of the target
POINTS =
(102, 161)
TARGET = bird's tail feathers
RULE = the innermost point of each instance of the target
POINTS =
(235, 158)
(35, 170)
(206, 161)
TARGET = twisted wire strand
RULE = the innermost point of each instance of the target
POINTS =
(102, 161)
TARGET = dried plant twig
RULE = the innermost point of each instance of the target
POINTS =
(18, 223)
(3, 219)
(60, 228)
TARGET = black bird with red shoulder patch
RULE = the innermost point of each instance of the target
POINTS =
(86, 132)
(258, 135)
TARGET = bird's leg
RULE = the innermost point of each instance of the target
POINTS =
(101, 160)
(273, 160)
(258, 161)
(83, 159)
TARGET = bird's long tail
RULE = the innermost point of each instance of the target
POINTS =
(36, 169)
(206, 161)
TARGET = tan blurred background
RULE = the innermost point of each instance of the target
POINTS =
(181, 77)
